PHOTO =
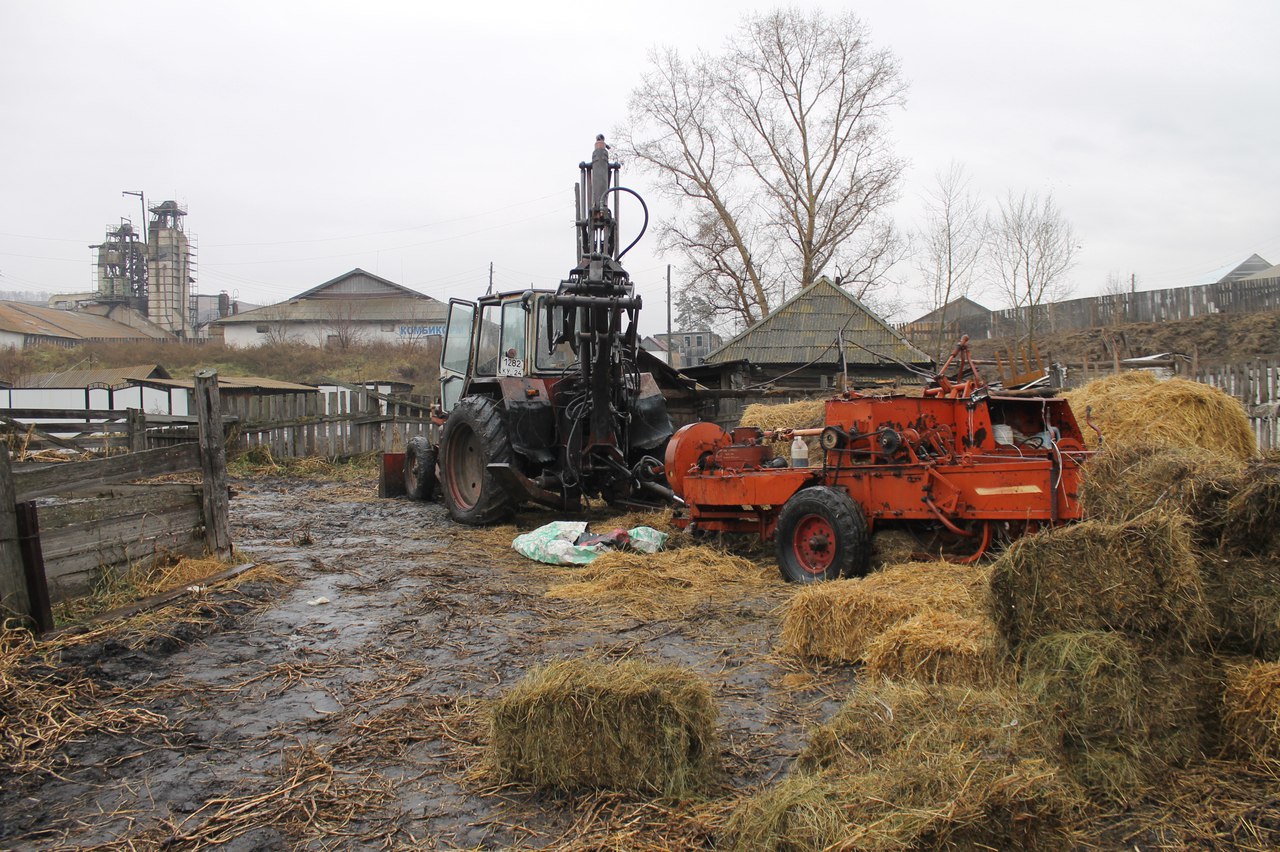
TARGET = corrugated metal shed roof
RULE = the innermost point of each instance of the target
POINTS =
(357, 282)
(112, 377)
(804, 330)
(20, 318)
(394, 309)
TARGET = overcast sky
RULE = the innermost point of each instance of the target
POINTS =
(424, 140)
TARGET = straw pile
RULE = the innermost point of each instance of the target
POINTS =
(1138, 578)
(836, 621)
(909, 767)
(936, 647)
(893, 547)
(806, 414)
(1243, 594)
(1251, 712)
(1134, 406)
(628, 726)
(1126, 480)
(663, 585)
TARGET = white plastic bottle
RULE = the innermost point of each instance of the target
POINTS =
(799, 453)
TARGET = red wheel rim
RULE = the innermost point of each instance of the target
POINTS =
(814, 544)
(466, 467)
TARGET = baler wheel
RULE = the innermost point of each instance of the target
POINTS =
(822, 535)
(420, 469)
(474, 437)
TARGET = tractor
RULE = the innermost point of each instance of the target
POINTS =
(960, 466)
(541, 396)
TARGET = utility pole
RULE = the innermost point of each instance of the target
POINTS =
(1133, 282)
(669, 359)
(489, 292)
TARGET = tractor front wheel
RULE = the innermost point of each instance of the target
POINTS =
(420, 469)
(475, 437)
(822, 535)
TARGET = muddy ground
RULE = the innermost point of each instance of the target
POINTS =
(345, 707)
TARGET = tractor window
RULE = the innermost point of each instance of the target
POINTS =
(457, 344)
(562, 356)
(513, 324)
(487, 350)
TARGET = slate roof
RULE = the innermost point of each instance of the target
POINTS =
(355, 296)
(21, 318)
(956, 309)
(804, 329)
(112, 377)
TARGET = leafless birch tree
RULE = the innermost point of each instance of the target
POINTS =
(776, 154)
(951, 244)
(1031, 248)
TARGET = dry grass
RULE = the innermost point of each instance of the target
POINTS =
(1134, 407)
(115, 589)
(43, 707)
(936, 647)
(1251, 712)
(258, 462)
(309, 800)
(1252, 524)
(664, 585)
(627, 726)
(1139, 578)
(837, 621)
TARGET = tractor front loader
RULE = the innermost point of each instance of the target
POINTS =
(540, 394)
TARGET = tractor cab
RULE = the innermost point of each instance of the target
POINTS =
(506, 335)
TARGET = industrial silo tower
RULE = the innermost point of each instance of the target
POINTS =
(122, 267)
(170, 270)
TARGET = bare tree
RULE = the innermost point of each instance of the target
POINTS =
(343, 329)
(776, 153)
(952, 241)
(1031, 248)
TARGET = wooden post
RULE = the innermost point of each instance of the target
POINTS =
(213, 464)
(33, 565)
(15, 602)
(137, 425)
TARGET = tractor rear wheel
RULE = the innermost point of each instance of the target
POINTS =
(822, 535)
(474, 437)
(420, 469)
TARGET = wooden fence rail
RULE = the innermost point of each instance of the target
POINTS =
(88, 521)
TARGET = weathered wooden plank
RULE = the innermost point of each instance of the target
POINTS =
(96, 536)
(54, 477)
(149, 500)
(74, 575)
(213, 463)
(15, 600)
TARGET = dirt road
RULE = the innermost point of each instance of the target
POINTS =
(345, 707)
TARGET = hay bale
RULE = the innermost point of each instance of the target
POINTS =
(629, 726)
(1243, 595)
(1251, 712)
(1134, 406)
(799, 814)
(665, 584)
(936, 647)
(909, 767)
(836, 621)
(1252, 523)
(1126, 480)
(882, 716)
(1138, 577)
(1087, 685)
(1120, 713)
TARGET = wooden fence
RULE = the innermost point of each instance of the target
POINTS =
(63, 523)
